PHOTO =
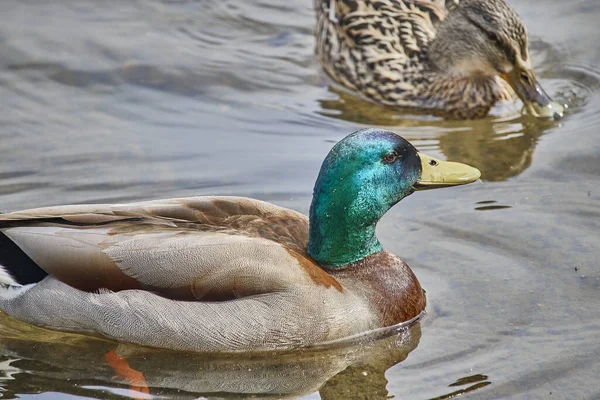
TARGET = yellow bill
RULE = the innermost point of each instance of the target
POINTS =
(438, 174)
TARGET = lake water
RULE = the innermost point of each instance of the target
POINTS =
(117, 101)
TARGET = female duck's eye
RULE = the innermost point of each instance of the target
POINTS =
(525, 78)
(391, 157)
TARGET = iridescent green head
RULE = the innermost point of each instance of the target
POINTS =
(362, 177)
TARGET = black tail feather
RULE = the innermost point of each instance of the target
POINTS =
(18, 264)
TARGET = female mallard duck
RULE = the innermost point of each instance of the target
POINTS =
(227, 273)
(455, 57)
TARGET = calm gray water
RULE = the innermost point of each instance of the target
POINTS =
(129, 100)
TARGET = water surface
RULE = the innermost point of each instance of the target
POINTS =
(118, 101)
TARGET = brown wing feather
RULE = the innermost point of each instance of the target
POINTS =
(252, 218)
(234, 215)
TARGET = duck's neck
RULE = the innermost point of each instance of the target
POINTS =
(456, 76)
(340, 232)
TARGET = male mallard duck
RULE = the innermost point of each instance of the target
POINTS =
(227, 273)
(457, 57)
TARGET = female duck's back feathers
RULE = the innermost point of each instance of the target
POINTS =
(371, 41)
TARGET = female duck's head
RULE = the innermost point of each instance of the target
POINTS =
(487, 37)
(362, 177)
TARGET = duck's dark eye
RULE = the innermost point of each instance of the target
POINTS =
(525, 78)
(433, 163)
(391, 157)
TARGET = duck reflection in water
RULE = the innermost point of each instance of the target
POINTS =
(92, 367)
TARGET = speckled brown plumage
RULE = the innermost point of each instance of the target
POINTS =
(380, 49)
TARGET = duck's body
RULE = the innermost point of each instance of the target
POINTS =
(224, 273)
(428, 54)
(236, 266)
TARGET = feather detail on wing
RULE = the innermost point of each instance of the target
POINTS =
(203, 248)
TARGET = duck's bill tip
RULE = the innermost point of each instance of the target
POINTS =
(536, 100)
(439, 174)
(552, 110)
